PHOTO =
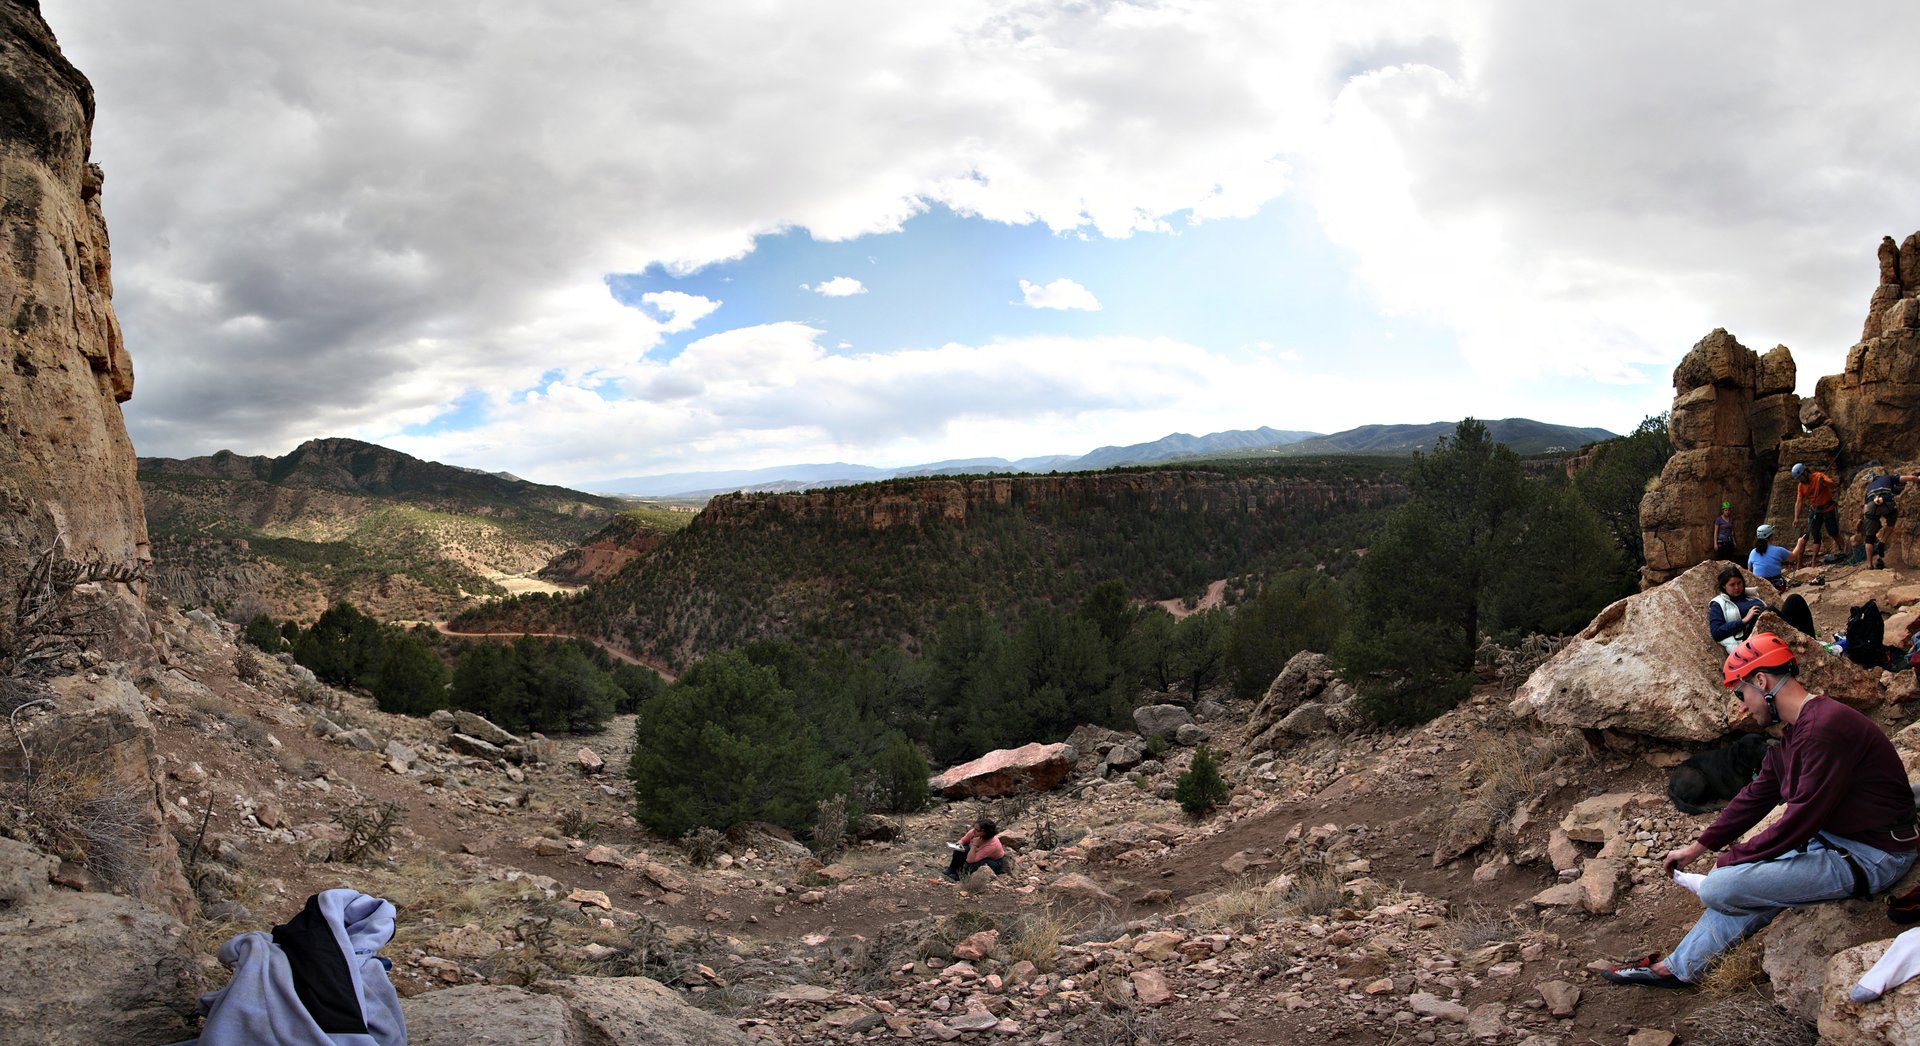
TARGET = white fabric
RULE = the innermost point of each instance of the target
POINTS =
(1690, 880)
(1900, 965)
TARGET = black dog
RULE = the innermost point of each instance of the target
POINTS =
(1708, 779)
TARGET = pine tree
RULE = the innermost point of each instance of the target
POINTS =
(1200, 788)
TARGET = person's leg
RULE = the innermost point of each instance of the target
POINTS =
(953, 866)
(1743, 898)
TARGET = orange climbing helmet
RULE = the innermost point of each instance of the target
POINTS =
(1760, 650)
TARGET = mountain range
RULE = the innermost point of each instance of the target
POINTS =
(1523, 435)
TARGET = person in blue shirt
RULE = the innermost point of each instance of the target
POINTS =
(1768, 559)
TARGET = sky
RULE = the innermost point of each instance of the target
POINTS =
(585, 239)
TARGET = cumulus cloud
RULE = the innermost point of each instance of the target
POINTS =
(1060, 294)
(838, 287)
(349, 217)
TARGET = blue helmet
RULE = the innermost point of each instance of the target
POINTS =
(1799, 470)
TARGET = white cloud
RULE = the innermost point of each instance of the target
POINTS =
(1060, 294)
(347, 217)
(838, 287)
(679, 311)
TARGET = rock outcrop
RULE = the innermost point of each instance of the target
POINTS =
(1872, 403)
(1645, 666)
(66, 465)
(1732, 409)
(1737, 426)
(1307, 698)
(1892, 1018)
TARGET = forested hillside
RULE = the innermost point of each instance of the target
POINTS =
(880, 564)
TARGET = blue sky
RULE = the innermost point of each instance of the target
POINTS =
(437, 225)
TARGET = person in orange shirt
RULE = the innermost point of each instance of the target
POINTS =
(1815, 490)
(980, 847)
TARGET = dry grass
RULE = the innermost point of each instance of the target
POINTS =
(1317, 889)
(1108, 1027)
(1241, 906)
(1477, 926)
(59, 793)
(1747, 1018)
(1508, 769)
(1736, 971)
(1034, 938)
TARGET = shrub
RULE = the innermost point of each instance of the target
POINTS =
(1201, 788)
(246, 667)
(369, 828)
(262, 632)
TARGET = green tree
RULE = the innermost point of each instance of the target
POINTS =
(1200, 788)
(344, 647)
(1295, 610)
(412, 680)
(1199, 650)
(487, 681)
(899, 777)
(1147, 652)
(723, 746)
(1563, 568)
(638, 684)
(264, 633)
(1431, 572)
(574, 694)
(1616, 478)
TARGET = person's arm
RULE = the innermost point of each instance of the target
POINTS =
(1819, 789)
(1796, 504)
(1717, 624)
(1746, 809)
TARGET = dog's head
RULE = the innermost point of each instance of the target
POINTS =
(1749, 752)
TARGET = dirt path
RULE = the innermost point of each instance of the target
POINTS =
(1216, 594)
(506, 637)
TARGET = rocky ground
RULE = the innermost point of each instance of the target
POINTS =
(1453, 883)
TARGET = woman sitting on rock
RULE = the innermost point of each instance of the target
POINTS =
(1732, 613)
(979, 848)
(1767, 559)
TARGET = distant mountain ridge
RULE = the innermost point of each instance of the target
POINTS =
(1523, 435)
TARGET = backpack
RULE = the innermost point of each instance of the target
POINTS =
(1866, 636)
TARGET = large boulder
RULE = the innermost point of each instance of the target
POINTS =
(577, 1011)
(1161, 720)
(1307, 698)
(1799, 944)
(1892, 1018)
(1010, 771)
(1872, 402)
(87, 967)
(1646, 666)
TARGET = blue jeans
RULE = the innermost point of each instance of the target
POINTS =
(1743, 898)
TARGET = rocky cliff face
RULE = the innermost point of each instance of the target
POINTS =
(1737, 427)
(922, 502)
(66, 465)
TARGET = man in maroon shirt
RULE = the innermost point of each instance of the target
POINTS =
(1848, 829)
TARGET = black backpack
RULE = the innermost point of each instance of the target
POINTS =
(1866, 636)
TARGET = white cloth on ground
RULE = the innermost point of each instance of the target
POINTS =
(261, 1006)
(1900, 965)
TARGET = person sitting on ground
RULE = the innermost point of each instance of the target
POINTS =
(1722, 529)
(979, 848)
(1848, 829)
(1731, 614)
(1815, 490)
(1767, 559)
(1881, 513)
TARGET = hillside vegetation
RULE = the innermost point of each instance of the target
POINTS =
(882, 564)
(342, 520)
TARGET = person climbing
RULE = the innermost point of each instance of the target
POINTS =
(1848, 829)
(1815, 490)
(1767, 559)
(1881, 512)
(1722, 527)
(979, 848)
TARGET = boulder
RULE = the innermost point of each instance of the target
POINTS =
(1645, 666)
(577, 1011)
(589, 761)
(1191, 735)
(1009, 771)
(87, 967)
(1872, 402)
(1075, 887)
(1161, 720)
(1892, 1018)
(1123, 757)
(478, 726)
(1307, 699)
(1799, 943)
(473, 746)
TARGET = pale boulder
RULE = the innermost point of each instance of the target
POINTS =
(1893, 1018)
(1646, 666)
(1009, 771)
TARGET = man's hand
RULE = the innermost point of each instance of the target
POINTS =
(1680, 858)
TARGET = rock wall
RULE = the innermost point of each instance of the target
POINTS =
(920, 502)
(1732, 410)
(66, 465)
(1738, 428)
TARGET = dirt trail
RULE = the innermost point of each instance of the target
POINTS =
(1216, 594)
(506, 637)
